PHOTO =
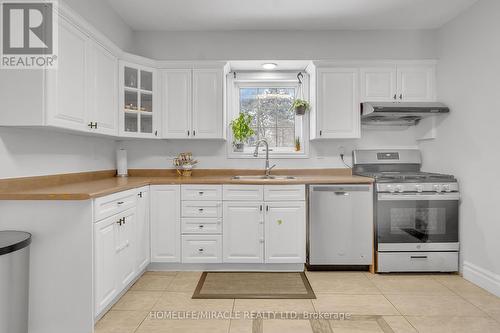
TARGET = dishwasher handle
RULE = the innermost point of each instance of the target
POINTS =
(341, 189)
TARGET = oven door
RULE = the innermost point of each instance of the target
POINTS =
(417, 221)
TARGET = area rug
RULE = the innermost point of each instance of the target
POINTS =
(259, 285)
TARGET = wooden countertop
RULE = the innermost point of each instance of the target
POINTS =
(88, 185)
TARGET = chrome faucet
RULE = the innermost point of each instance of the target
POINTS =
(256, 153)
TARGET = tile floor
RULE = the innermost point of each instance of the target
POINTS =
(375, 303)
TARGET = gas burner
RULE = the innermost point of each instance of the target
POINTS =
(410, 177)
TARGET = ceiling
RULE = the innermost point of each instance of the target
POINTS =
(224, 15)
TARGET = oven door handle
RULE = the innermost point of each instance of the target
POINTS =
(455, 196)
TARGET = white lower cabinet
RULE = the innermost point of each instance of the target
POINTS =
(243, 232)
(285, 232)
(127, 248)
(202, 249)
(165, 223)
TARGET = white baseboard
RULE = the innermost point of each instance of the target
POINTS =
(158, 266)
(482, 277)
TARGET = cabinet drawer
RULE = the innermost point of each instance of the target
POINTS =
(284, 192)
(201, 209)
(417, 262)
(201, 192)
(202, 225)
(243, 192)
(201, 248)
(114, 204)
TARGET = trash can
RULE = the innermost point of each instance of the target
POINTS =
(14, 281)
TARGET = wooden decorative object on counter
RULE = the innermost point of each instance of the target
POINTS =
(184, 164)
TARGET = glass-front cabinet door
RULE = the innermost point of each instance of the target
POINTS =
(138, 113)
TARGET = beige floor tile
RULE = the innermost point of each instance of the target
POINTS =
(354, 304)
(137, 300)
(120, 321)
(288, 326)
(275, 305)
(399, 324)
(461, 324)
(459, 285)
(171, 301)
(152, 283)
(418, 305)
(487, 302)
(240, 326)
(355, 326)
(183, 326)
(341, 283)
(185, 282)
(160, 273)
(409, 285)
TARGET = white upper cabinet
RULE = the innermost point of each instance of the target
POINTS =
(378, 84)
(103, 101)
(176, 85)
(337, 104)
(165, 223)
(416, 83)
(400, 83)
(139, 115)
(67, 91)
(193, 103)
(207, 103)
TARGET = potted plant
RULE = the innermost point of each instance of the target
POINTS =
(241, 131)
(300, 106)
(297, 144)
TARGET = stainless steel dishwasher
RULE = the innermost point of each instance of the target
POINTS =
(340, 229)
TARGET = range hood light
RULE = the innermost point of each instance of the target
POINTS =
(269, 65)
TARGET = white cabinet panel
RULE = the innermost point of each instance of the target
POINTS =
(243, 232)
(284, 192)
(114, 203)
(201, 225)
(143, 244)
(165, 223)
(338, 107)
(105, 262)
(207, 103)
(285, 232)
(103, 102)
(201, 192)
(201, 209)
(243, 192)
(177, 103)
(67, 98)
(416, 83)
(378, 84)
(127, 248)
(201, 248)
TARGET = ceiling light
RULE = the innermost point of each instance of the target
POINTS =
(269, 65)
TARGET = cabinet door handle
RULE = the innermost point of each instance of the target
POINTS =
(395, 96)
(92, 125)
(140, 194)
(119, 222)
(188, 132)
(267, 208)
(156, 133)
(320, 133)
(194, 133)
(400, 96)
(95, 125)
(260, 208)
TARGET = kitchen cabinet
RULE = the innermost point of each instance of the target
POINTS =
(193, 103)
(202, 249)
(243, 232)
(285, 232)
(142, 229)
(139, 116)
(337, 111)
(106, 245)
(165, 223)
(402, 83)
(103, 102)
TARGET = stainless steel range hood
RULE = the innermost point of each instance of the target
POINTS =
(399, 113)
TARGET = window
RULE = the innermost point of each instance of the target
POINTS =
(268, 100)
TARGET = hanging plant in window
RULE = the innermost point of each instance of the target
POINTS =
(241, 131)
(300, 105)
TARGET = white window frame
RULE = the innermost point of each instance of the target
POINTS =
(266, 79)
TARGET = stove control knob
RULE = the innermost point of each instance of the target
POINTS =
(419, 188)
(437, 188)
(391, 188)
(399, 188)
(446, 188)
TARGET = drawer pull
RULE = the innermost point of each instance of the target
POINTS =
(120, 203)
(418, 257)
(200, 226)
(201, 250)
(201, 193)
(200, 210)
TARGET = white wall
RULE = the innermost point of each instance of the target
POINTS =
(100, 14)
(284, 45)
(212, 154)
(32, 152)
(467, 144)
